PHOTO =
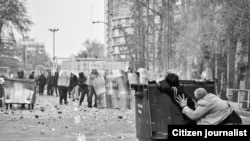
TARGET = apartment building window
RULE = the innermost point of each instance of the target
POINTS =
(123, 21)
(118, 22)
(127, 21)
(117, 32)
(122, 40)
(111, 49)
(114, 41)
(120, 31)
(116, 6)
(116, 50)
(112, 33)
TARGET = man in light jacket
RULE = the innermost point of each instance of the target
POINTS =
(209, 110)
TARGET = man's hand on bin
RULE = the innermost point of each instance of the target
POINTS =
(181, 100)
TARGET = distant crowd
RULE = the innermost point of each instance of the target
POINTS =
(77, 89)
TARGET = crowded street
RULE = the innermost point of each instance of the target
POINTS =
(124, 70)
(51, 121)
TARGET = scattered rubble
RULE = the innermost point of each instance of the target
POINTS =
(42, 132)
(49, 119)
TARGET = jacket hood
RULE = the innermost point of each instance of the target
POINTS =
(81, 74)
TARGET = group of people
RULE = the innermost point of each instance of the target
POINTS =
(50, 81)
(78, 88)
(205, 109)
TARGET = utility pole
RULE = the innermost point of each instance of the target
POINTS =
(53, 58)
(168, 37)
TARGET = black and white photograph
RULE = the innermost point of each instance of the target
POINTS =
(124, 70)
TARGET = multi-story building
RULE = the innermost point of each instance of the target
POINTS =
(27, 49)
(118, 19)
(118, 27)
(8, 47)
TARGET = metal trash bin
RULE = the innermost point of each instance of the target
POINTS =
(154, 111)
(20, 91)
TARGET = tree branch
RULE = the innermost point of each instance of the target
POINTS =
(127, 43)
(238, 8)
(143, 4)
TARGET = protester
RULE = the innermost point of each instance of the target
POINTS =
(93, 75)
(32, 75)
(54, 83)
(1, 92)
(49, 84)
(20, 74)
(41, 82)
(172, 88)
(210, 109)
(72, 86)
(63, 85)
(83, 87)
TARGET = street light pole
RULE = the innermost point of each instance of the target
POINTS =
(53, 30)
(94, 22)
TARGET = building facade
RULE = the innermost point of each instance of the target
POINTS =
(118, 27)
(8, 46)
(27, 49)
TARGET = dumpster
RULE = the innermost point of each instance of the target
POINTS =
(154, 111)
(20, 91)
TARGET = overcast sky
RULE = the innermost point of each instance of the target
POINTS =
(73, 18)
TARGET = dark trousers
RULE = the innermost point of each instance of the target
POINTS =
(233, 119)
(49, 90)
(63, 94)
(83, 90)
(90, 96)
(41, 89)
(54, 88)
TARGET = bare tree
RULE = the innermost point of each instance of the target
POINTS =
(94, 49)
